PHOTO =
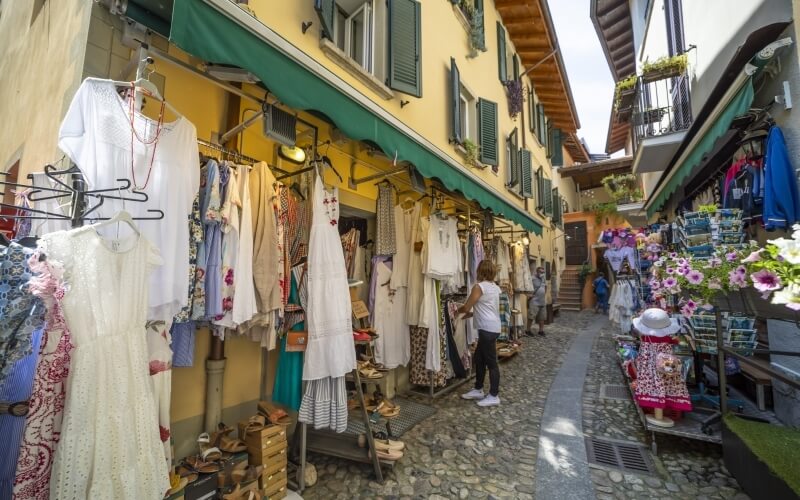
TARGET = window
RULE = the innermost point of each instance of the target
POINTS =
(353, 31)
(555, 147)
(463, 108)
(526, 173)
(502, 53)
(382, 37)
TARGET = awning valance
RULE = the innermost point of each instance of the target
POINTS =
(207, 29)
(738, 105)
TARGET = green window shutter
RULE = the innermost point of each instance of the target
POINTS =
(477, 21)
(556, 206)
(526, 181)
(405, 47)
(540, 202)
(515, 75)
(540, 121)
(513, 160)
(547, 145)
(531, 111)
(326, 11)
(556, 151)
(487, 131)
(502, 64)
(455, 105)
(548, 197)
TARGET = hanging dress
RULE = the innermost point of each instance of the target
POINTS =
(331, 351)
(392, 347)
(120, 455)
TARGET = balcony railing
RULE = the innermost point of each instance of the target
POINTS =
(661, 107)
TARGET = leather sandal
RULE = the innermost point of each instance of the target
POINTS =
(226, 443)
(275, 415)
(390, 456)
(256, 423)
(389, 444)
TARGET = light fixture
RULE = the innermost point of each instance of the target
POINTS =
(526, 241)
(294, 154)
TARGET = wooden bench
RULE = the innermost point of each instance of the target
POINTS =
(761, 380)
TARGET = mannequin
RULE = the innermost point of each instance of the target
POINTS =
(659, 384)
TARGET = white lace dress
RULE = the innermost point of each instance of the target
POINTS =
(110, 445)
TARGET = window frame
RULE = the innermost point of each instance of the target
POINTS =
(367, 61)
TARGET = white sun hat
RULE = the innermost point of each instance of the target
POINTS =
(655, 322)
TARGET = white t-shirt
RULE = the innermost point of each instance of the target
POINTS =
(96, 135)
(486, 312)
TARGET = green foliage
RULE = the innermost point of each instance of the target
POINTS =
(584, 271)
(603, 210)
(776, 446)
(622, 187)
(674, 65)
(471, 158)
(708, 209)
(622, 86)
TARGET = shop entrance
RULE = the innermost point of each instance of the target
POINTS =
(576, 243)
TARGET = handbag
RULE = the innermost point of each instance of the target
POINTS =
(668, 364)
(296, 341)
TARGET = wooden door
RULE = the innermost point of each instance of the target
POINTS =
(577, 244)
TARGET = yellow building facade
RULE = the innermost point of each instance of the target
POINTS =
(359, 51)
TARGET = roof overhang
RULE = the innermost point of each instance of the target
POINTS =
(590, 175)
(618, 132)
(612, 21)
(575, 148)
(531, 29)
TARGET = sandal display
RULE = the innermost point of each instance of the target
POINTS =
(255, 423)
(226, 443)
(275, 415)
(389, 455)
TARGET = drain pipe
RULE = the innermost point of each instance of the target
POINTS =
(215, 368)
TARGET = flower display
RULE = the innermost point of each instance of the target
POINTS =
(694, 277)
(777, 270)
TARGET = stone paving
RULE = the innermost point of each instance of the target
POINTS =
(685, 468)
(464, 451)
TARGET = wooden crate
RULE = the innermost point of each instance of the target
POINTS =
(269, 457)
(270, 432)
(277, 490)
(268, 481)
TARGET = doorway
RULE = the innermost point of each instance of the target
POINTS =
(576, 245)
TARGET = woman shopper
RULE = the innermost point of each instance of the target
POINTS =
(485, 299)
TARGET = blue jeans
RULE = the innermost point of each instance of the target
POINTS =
(602, 301)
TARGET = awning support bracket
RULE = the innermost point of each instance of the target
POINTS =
(353, 182)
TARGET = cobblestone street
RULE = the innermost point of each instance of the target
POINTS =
(464, 451)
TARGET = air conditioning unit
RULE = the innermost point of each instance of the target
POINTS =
(280, 125)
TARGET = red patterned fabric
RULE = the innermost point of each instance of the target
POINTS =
(654, 389)
(43, 425)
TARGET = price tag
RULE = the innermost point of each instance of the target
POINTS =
(360, 309)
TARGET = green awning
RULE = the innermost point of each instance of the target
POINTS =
(739, 105)
(203, 31)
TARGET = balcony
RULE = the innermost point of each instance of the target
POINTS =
(660, 114)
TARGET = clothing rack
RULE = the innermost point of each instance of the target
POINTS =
(78, 195)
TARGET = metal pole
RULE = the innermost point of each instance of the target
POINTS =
(723, 383)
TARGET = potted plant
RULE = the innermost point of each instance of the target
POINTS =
(664, 67)
(624, 91)
(515, 96)
(470, 153)
(623, 188)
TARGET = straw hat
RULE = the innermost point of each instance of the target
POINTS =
(656, 323)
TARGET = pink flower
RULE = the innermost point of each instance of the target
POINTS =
(694, 277)
(691, 304)
(766, 281)
(754, 256)
(673, 255)
(686, 312)
(655, 285)
(682, 262)
(682, 271)
(736, 280)
(670, 270)
(741, 270)
(715, 284)
(714, 262)
(670, 283)
(730, 257)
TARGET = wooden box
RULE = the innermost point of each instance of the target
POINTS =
(266, 481)
(268, 457)
(276, 490)
(267, 433)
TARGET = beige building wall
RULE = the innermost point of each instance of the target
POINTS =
(42, 48)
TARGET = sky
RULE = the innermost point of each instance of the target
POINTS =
(587, 69)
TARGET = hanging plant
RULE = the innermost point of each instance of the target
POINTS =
(471, 153)
(665, 67)
(515, 97)
(603, 210)
(622, 188)
(623, 88)
(477, 38)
